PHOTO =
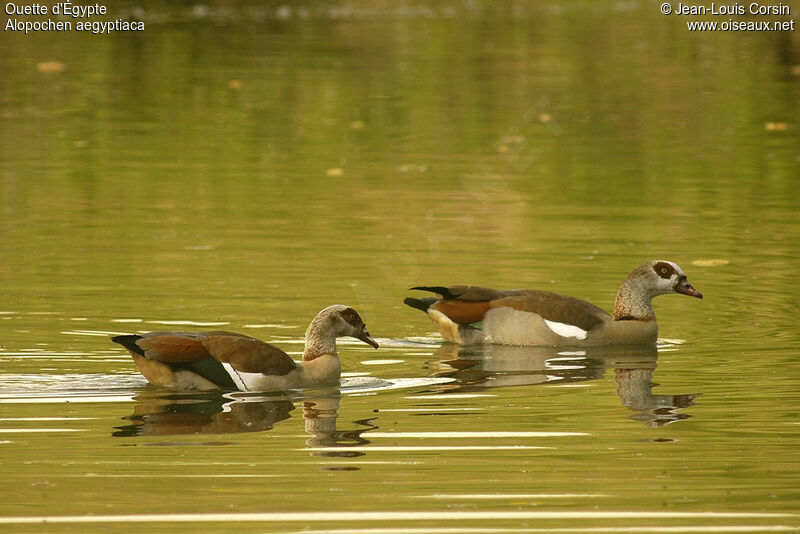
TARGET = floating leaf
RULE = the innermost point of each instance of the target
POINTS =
(776, 126)
(710, 263)
(411, 167)
(50, 66)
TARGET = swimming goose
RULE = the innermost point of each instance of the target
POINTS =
(214, 360)
(531, 317)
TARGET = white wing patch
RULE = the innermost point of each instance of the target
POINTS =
(566, 330)
(237, 378)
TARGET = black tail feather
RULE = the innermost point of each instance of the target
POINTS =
(129, 342)
(420, 304)
(444, 292)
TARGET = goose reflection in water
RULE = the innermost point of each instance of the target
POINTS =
(161, 413)
(166, 413)
(320, 417)
(481, 367)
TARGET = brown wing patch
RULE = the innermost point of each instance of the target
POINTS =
(247, 354)
(462, 312)
(469, 304)
(477, 293)
(173, 347)
(555, 307)
(469, 293)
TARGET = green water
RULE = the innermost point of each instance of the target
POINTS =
(243, 165)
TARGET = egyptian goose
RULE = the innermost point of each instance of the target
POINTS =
(214, 360)
(531, 317)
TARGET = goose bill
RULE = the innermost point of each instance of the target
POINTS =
(686, 288)
(364, 336)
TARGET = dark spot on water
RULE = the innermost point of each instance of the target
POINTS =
(338, 454)
(340, 468)
(441, 413)
(188, 443)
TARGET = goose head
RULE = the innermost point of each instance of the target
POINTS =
(340, 321)
(657, 277)
(666, 277)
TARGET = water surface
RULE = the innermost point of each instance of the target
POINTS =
(242, 166)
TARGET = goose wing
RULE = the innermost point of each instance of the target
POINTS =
(468, 304)
(556, 308)
(462, 304)
(243, 353)
(247, 354)
(470, 293)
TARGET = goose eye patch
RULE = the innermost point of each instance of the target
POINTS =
(664, 270)
(351, 317)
